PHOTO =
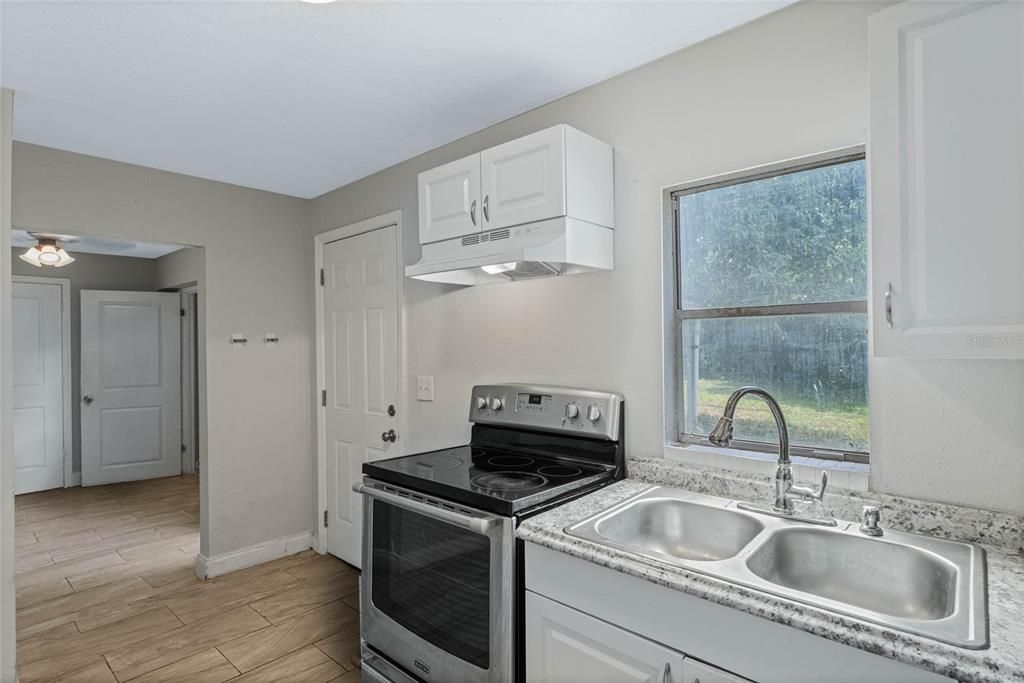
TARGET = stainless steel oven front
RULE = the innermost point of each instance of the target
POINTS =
(438, 585)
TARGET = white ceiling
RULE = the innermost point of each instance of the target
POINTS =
(99, 245)
(302, 98)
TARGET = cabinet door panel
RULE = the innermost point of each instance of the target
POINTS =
(449, 200)
(564, 646)
(524, 180)
(947, 167)
(699, 672)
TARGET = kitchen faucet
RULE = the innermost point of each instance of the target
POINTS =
(785, 489)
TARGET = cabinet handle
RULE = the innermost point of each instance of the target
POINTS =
(472, 212)
(487, 215)
(888, 306)
(666, 676)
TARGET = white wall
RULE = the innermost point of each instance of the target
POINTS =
(257, 482)
(89, 271)
(791, 84)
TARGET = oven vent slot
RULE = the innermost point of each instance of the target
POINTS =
(471, 240)
(498, 235)
(429, 501)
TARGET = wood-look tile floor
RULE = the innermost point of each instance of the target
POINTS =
(107, 592)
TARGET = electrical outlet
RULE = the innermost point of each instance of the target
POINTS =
(424, 387)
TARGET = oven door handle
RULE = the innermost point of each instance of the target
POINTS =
(478, 524)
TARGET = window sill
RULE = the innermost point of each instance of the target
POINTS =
(844, 475)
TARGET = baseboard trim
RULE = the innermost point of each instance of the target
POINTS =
(76, 480)
(225, 563)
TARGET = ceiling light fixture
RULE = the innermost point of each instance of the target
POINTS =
(47, 252)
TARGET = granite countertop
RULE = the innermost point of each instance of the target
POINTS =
(1002, 661)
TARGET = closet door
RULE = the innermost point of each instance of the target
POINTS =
(946, 159)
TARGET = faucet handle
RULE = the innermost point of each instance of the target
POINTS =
(809, 493)
(870, 516)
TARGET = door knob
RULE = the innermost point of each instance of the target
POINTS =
(389, 436)
(87, 399)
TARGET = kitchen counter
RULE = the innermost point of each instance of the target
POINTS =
(1002, 661)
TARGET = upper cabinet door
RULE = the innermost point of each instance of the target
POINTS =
(524, 180)
(449, 200)
(946, 161)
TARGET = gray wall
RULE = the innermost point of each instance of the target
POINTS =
(791, 84)
(180, 268)
(89, 271)
(255, 403)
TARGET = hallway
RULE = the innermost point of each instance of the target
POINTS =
(106, 591)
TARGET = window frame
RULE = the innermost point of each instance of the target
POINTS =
(676, 315)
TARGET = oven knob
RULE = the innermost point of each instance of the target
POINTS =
(497, 404)
(481, 402)
(594, 413)
(572, 411)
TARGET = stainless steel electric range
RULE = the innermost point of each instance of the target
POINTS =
(442, 593)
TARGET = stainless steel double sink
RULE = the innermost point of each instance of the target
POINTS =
(918, 584)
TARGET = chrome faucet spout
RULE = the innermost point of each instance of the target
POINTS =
(722, 433)
(785, 490)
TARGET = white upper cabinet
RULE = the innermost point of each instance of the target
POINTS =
(552, 173)
(449, 200)
(523, 181)
(946, 161)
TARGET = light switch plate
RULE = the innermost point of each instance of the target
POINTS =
(424, 387)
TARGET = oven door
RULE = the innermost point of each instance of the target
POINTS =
(437, 585)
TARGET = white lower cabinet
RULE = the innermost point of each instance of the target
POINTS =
(699, 672)
(564, 645)
(586, 622)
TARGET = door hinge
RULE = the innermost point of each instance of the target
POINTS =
(182, 312)
(323, 278)
(325, 519)
(183, 448)
(323, 397)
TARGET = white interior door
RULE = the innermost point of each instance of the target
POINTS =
(361, 370)
(131, 382)
(38, 387)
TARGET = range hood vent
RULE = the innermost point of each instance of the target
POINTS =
(560, 246)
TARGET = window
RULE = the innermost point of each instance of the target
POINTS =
(771, 290)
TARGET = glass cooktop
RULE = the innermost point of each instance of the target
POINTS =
(486, 478)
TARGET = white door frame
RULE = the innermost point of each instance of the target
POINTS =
(65, 343)
(189, 361)
(387, 220)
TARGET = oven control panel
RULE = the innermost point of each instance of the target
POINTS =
(557, 409)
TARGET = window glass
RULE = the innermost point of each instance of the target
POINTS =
(794, 238)
(814, 365)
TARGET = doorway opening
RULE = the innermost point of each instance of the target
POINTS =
(108, 414)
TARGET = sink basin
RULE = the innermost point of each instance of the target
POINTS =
(872, 574)
(680, 529)
(926, 586)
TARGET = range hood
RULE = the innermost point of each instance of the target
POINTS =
(560, 246)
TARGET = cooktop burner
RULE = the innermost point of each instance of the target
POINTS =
(508, 481)
(438, 461)
(509, 460)
(559, 471)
